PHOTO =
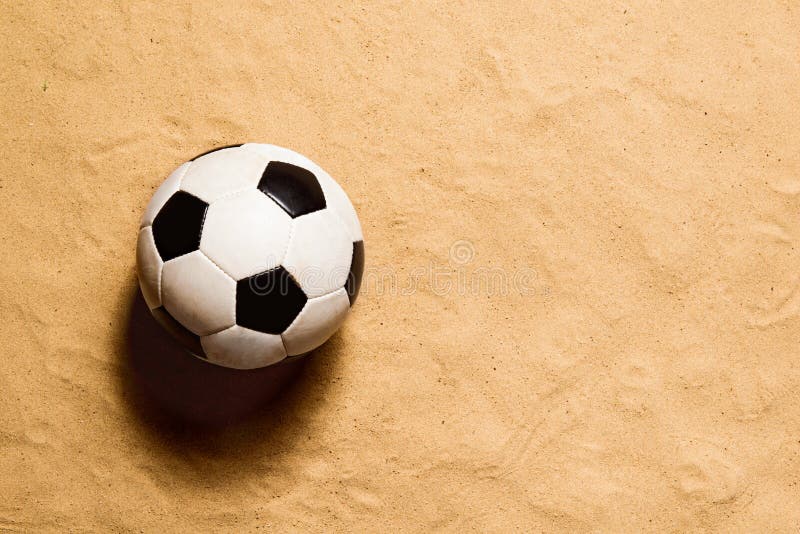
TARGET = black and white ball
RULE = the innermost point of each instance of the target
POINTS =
(250, 254)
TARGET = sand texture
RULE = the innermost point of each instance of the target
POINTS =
(582, 301)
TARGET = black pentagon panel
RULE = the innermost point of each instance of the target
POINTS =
(269, 301)
(180, 332)
(294, 188)
(177, 227)
(214, 150)
(353, 284)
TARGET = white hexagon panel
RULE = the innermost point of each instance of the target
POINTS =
(245, 234)
(149, 267)
(223, 172)
(339, 203)
(241, 348)
(198, 294)
(319, 253)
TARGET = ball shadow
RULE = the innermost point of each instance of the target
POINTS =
(183, 402)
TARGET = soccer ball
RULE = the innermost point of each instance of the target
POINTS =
(250, 254)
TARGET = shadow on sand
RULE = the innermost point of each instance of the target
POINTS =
(184, 403)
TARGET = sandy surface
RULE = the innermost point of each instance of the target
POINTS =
(630, 174)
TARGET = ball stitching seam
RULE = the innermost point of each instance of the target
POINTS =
(234, 289)
(233, 194)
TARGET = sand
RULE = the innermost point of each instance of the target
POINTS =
(625, 175)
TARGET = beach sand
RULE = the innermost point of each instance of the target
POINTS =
(582, 299)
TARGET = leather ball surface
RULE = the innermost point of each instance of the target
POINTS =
(249, 254)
